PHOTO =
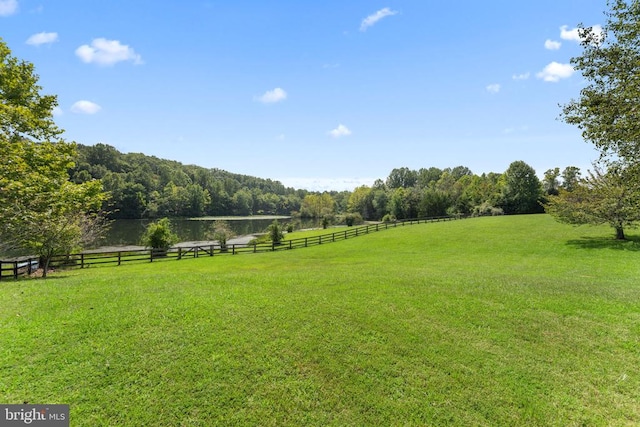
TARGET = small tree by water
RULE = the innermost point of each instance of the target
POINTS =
(222, 232)
(159, 235)
(275, 232)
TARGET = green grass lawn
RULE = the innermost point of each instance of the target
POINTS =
(503, 321)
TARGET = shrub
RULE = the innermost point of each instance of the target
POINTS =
(353, 218)
(159, 235)
(389, 218)
(275, 232)
(486, 209)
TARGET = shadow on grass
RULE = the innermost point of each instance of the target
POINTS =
(632, 243)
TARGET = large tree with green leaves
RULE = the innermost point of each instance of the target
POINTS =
(41, 210)
(603, 197)
(608, 109)
(521, 190)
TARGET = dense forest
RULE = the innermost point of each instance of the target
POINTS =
(142, 186)
(146, 186)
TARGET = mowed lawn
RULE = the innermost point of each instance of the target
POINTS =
(503, 321)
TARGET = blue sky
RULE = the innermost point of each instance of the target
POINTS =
(319, 95)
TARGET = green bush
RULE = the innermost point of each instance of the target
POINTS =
(389, 218)
(353, 218)
(486, 209)
(159, 235)
(275, 232)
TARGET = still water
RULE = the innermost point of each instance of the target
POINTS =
(129, 231)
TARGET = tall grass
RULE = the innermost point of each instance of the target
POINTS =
(493, 321)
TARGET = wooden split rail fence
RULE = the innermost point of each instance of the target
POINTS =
(25, 266)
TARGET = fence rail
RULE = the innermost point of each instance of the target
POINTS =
(25, 266)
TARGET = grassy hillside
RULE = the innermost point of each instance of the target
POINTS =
(492, 321)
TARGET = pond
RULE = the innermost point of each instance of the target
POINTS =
(129, 231)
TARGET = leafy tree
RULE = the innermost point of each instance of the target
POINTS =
(607, 111)
(550, 183)
(522, 190)
(570, 177)
(361, 201)
(41, 210)
(434, 203)
(609, 197)
(402, 178)
(222, 232)
(317, 205)
(429, 176)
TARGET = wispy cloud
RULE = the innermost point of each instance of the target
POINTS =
(375, 17)
(340, 131)
(493, 88)
(523, 76)
(42, 38)
(518, 129)
(555, 71)
(107, 52)
(85, 107)
(552, 45)
(8, 7)
(272, 96)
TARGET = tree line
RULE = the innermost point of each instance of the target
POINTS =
(141, 186)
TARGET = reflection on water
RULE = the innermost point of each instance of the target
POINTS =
(129, 231)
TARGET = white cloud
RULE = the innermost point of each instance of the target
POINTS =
(340, 131)
(8, 7)
(42, 38)
(273, 96)
(552, 44)
(85, 107)
(374, 18)
(493, 88)
(523, 76)
(107, 52)
(555, 71)
(574, 35)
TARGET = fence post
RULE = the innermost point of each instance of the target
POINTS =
(179, 253)
(305, 242)
(255, 248)
(319, 240)
(290, 244)
(15, 270)
(233, 249)
(211, 248)
(150, 255)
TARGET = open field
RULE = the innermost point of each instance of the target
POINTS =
(503, 321)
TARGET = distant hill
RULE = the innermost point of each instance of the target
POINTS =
(146, 186)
